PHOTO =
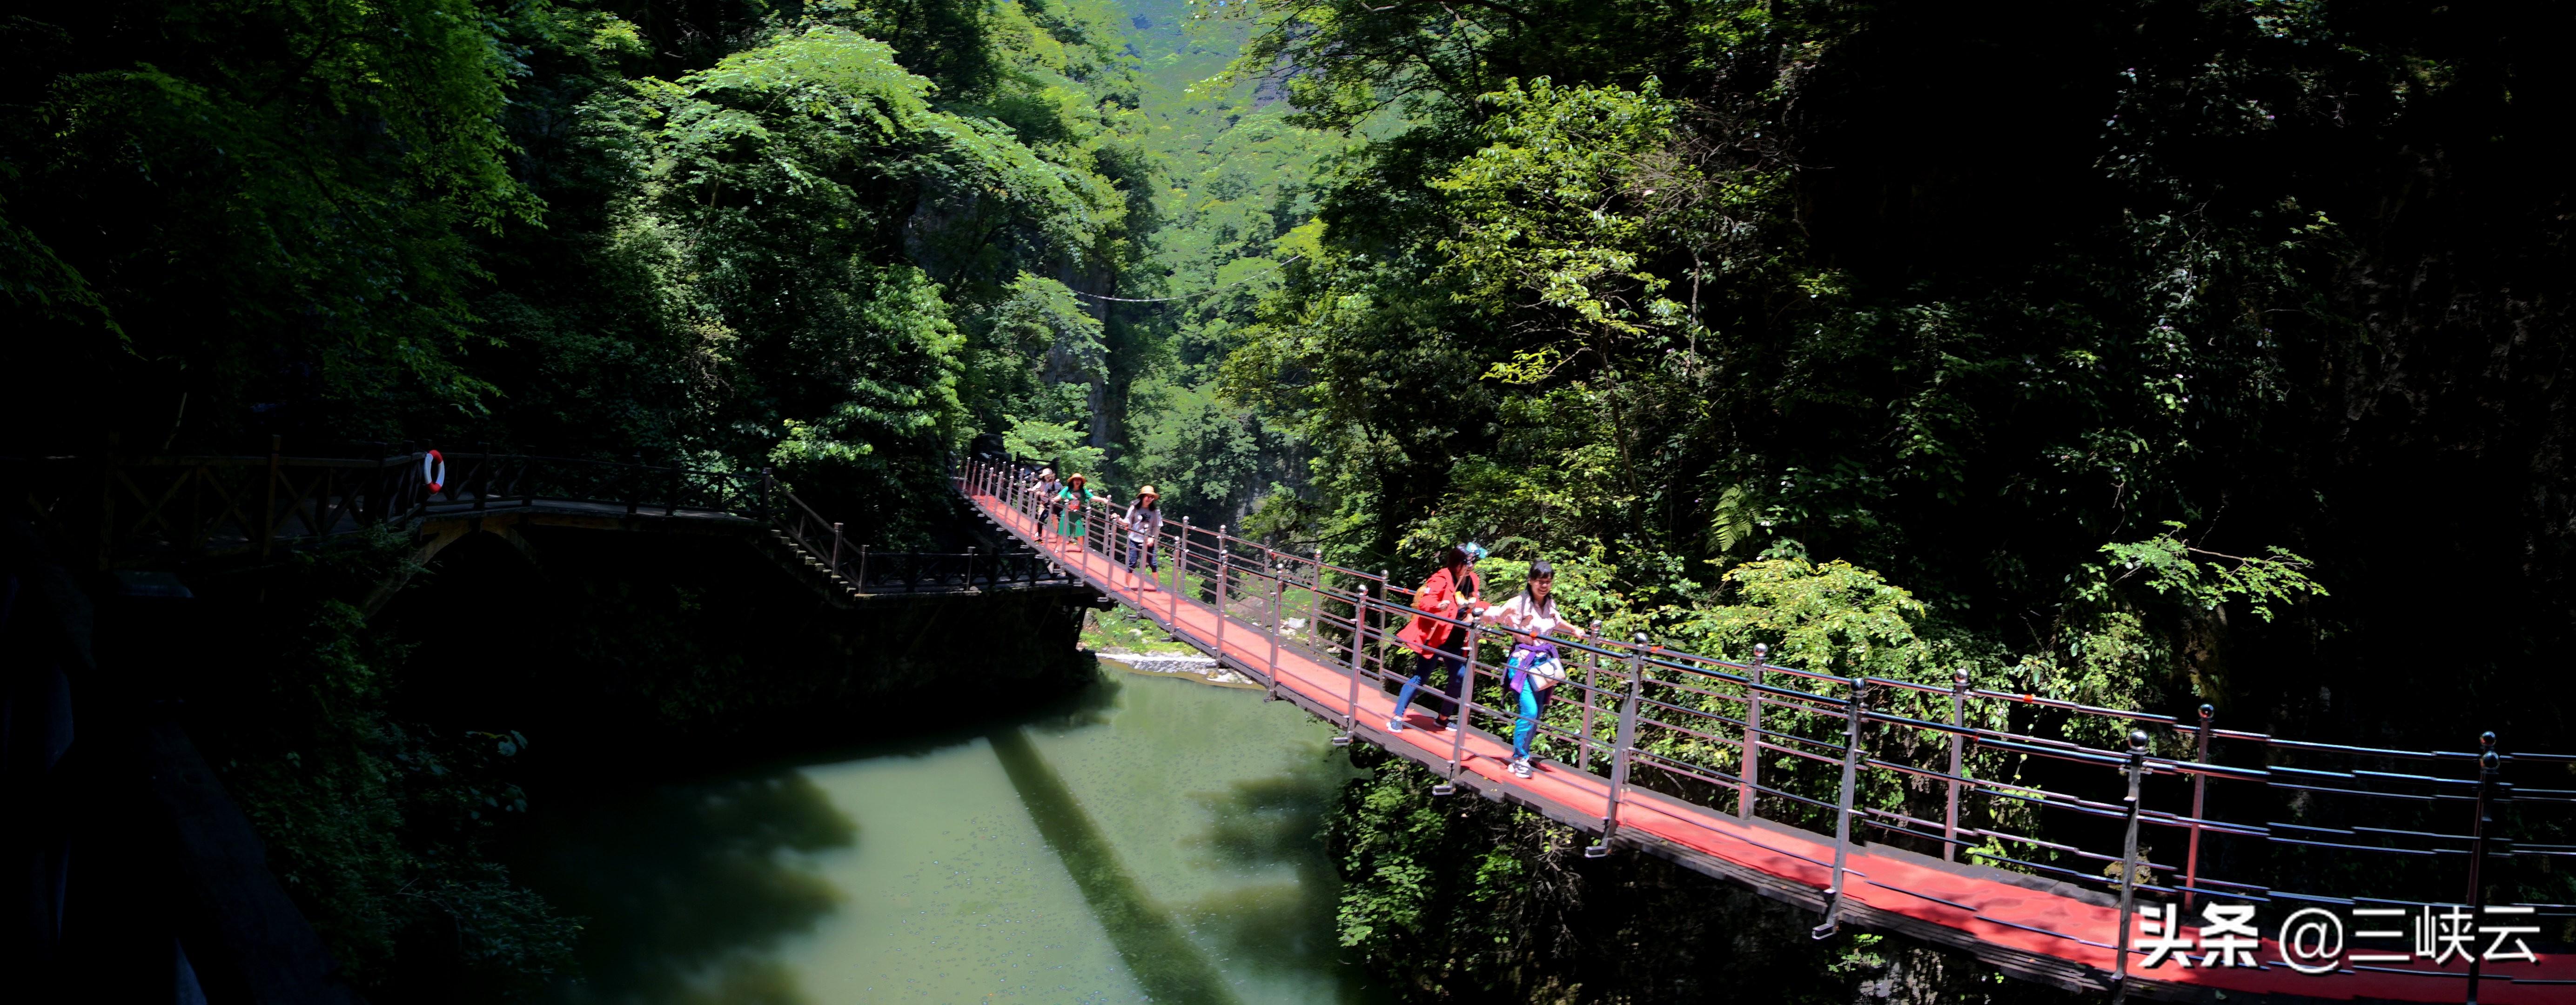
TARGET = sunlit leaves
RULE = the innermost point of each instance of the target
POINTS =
(1546, 210)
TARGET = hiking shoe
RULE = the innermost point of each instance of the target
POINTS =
(1443, 722)
(1395, 725)
(1521, 766)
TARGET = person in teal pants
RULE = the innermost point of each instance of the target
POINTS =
(1533, 673)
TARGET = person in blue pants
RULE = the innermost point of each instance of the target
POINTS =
(1531, 615)
(1533, 673)
(1451, 594)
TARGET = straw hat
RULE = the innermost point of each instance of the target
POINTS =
(1074, 479)
(1148, 492)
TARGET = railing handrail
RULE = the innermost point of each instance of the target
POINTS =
(1612, 646)
(331, 496)
(1639, 676)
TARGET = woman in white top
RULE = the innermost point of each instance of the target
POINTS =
(1044, 492)
(1144, 523)
(1535, 606)
(1533, 611)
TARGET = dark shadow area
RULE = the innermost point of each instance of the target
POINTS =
(687, 882)
(1158, 954)
(682, 873)
(614, 651)
(1288, 926)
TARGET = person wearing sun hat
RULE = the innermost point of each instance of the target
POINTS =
(1144, 523)
(1076, 498)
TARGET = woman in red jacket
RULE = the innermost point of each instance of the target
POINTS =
(1451, 592)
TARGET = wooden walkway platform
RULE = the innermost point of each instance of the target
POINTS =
(2030, 926)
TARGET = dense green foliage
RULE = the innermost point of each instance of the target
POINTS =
(536, 225)
(379, 825)
(2136, 354)
(836, 238)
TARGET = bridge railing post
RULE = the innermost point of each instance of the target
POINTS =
(2199, 805)
(1591, 683)
(1224, 573)
(1315, 606)
(768, 490)
(1277, 590)
(2137, 772)
(835, 568)
(1958, 763)
(1359, 645)
(1620, 755)
(1385, 608)
(2481, 829)
(1180, 574)
(862, 583)
(1843, 811)
(1749, 779)
(1466, 684)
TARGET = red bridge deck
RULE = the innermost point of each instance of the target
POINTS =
(2033, 927)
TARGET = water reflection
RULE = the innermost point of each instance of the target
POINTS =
(685, 887)
(1156, 840)
(1157, 953)
(1284, 926)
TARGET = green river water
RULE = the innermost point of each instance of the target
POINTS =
(1158, 840)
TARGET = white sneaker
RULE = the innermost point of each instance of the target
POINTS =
(1395, 725)
(1521, 766)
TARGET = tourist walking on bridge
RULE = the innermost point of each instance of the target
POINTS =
(1532, 674)
(1044, 490)
(1144, 523)
(1452, 595)
(1535, 667)
(1073, 503)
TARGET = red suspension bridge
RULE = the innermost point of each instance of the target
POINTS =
(1858, 798)
(1773, 777)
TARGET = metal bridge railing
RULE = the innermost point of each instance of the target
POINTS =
(139, 510)
(134, 509)
(2256, 818)
(905, 572)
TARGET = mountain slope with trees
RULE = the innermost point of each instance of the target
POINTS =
(2138, 354)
